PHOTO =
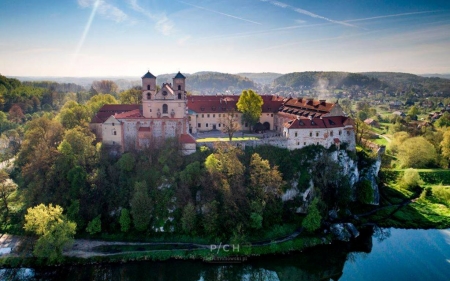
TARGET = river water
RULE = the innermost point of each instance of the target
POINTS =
(391, 254)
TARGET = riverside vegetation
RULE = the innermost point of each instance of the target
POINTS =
(215, 195)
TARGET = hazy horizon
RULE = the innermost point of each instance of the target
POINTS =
(116, 38)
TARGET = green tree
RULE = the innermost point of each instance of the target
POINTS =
(411, 179)
(7, 187)
(97, 101)
(416, 152)
(94, 226)
(188, 219)
(313, 219)
(413, 112)
(73, 114)
(141, 206)
(54, 229)
(364, 192)
(250, 104)
(131, 96)
(444, 120)
(125, 220)
(445, 145)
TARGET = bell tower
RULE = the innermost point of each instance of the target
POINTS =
(179, 86)
(148, 86)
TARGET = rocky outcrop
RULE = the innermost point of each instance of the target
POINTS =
(344, 231)
(370, 174)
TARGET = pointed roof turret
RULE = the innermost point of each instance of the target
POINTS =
(179, 75)
(148, 75)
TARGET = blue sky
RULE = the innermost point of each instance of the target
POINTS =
(129, 37)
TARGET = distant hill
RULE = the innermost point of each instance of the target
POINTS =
(445, 76)
(327, 80)
(403, 81)
(211, 82)
(264, 78)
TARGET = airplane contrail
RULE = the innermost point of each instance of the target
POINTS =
(305, 12)
(394, 15)
(220, 13)
(86, 30)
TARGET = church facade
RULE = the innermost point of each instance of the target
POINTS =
(170, 113)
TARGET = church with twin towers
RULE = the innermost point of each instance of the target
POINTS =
(168, 112)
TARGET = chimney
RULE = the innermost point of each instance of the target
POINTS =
(322, 102)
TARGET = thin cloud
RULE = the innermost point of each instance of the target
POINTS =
(392, 16)
(107, 10)
(220, 13)
(163, 24)
(305, 12)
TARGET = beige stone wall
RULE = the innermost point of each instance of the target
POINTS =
(112, 132)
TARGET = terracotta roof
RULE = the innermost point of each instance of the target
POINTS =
(224, 103)
(316, 123)
(110, 109)
(186, 138)
(129, 114)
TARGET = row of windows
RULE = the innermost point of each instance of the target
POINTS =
(149, 95)
(317, 133)
(199, 125)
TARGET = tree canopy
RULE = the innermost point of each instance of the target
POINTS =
(250, 104)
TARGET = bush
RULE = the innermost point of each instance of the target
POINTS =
(442, 194)
(364, 192)
(411, 180)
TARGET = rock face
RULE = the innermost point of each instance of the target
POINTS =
(349, 168)
(344, 231)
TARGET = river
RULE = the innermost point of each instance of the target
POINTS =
(391, 254)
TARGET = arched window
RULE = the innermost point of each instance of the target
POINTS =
(149, 96)
(148, 87)
(165, 109)
(179, 96)
(179, 87)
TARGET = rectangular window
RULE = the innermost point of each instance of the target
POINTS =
(317, 134)
(203, 115)
(207, 115)
(304, 143)
(271, 115)
(310, 134)
(219, 125)
(199, 125)
(348, 133)
(296, 134)
(113, 123)
(214, 116)
(298, 143)
(206, 125)
(340, 132)
(219, 115)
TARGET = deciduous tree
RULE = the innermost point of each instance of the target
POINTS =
(250, 104)
(230, 124)
(54, 229)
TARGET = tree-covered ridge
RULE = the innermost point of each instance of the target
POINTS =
(406, 80)
(213, 82)
(326, 80)
(265, 78)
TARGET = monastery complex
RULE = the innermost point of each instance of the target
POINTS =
(169, 113)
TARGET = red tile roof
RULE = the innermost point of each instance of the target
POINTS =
(224, 103)
(316, 123)
(110, 109)
(129, 114)
(186, 138)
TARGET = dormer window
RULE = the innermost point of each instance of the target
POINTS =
(202, 108)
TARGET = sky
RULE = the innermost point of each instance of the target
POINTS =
(73, 38)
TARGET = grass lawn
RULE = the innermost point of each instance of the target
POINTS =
(226, 139)
(380, 141)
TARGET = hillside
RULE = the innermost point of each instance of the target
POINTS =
(328, 80)
(265, 78)
(211, 82)
(404, 81)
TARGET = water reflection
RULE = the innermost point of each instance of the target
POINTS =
(339, 261)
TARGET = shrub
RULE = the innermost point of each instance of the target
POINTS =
(411, 180)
